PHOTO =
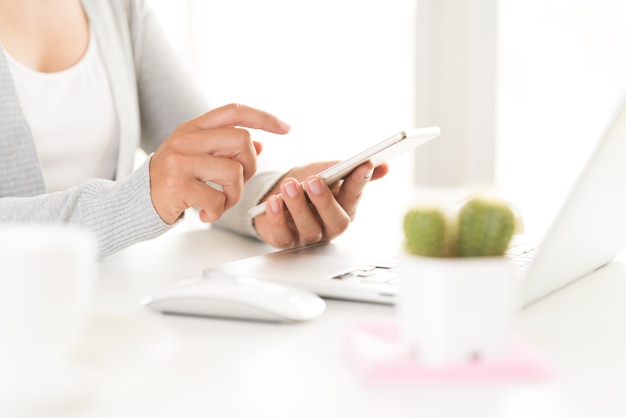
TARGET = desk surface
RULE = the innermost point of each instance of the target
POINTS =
(136, 363)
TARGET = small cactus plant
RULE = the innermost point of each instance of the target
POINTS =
(481, 226)
(430, 225)
(485, 227)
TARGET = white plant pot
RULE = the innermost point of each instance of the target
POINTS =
(457, 310)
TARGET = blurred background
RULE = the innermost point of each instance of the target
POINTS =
(521, 90)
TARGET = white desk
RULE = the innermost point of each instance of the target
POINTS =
(135, 363)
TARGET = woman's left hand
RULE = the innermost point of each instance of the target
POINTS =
(312, 212)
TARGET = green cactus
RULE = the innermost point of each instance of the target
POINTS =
(486, 226)
(481, 227)
(425, 231)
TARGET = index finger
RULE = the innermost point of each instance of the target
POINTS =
(236, 114)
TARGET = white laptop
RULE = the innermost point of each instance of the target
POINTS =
(588, 232)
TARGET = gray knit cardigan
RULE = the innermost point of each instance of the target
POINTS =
(152, 95)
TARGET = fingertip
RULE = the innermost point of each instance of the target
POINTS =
(364, 172)
(258, 147)
(204, 217)
(284, 126)
(369, 172)
(275, 204)
(380, 171)
(314, 185)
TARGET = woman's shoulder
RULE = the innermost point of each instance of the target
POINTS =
(130, 10)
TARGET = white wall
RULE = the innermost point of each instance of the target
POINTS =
(521, 90)
(562, 68)
(340, 72)
(343, 72)
(456, 90)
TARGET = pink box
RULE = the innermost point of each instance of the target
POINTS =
(374, 349)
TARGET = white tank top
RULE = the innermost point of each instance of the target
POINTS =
(72, 118)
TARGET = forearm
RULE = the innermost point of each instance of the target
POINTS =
(119, 213)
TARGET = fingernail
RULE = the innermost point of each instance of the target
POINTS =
(274, 203)
(283, 125)
(369, 174)
(314, 185)
(291, 188)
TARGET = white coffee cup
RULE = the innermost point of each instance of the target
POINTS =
(47, 273)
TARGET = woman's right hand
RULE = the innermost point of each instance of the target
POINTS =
(215, 148)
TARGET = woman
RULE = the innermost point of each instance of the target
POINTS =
(83, 84)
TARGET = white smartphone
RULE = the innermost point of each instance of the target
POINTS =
(377, 154)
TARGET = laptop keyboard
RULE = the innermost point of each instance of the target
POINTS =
(520, 252)
(385, 271)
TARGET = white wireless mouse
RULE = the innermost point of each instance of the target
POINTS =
(238, 298)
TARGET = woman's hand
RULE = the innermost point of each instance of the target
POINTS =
(214, 148)
(314, 212)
